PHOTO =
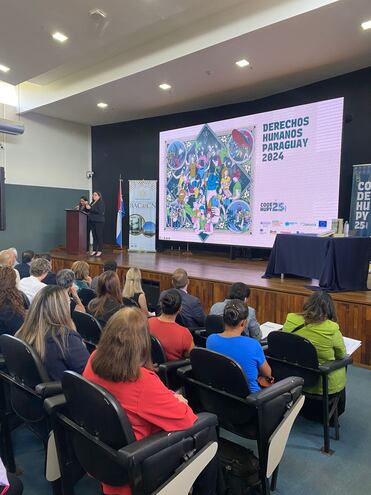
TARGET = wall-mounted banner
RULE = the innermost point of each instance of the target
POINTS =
(142, 211)
(360, 219)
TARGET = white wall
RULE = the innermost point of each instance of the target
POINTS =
(50, 153)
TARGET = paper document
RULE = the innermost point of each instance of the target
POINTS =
(351, 345)
(269, 327)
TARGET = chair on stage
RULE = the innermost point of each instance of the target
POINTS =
(89, 329)
(29, 384)
(167, 370)
(217, 384)
(86, 295)
(289, 354)
(104, 446)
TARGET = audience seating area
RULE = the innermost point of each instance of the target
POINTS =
(86, 433)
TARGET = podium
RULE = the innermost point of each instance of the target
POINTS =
(76, 232)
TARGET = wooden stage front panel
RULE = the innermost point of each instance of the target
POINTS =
(211, 277)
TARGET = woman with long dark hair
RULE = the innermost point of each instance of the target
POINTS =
(96, 210)
(109, 298)
(13, 303)
(318, 324)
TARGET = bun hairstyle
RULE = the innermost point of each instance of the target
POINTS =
(234, 312)
(170, 302)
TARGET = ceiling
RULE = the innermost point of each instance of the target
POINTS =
(191, 44)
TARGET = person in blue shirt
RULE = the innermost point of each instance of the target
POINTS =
(247, 352)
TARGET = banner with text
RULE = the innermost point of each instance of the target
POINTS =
(142, 211)
(360, 220)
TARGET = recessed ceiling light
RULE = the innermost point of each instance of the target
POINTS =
(164, 86)
(60, 37)
(4, 68)
(366, 25)
(101, 104)
(242, 63)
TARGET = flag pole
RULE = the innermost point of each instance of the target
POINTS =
(119, 244)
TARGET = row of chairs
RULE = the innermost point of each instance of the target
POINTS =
(103, 444)
(287, 354)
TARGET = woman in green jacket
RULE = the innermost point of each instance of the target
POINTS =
(318, 325)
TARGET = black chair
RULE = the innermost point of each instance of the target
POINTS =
(217, 384)
(103, 444)
(29, 384)
(86, 295)
(290, 354)
(7, 423)
(200, 337)
(167, 370)
(214, 324)
(89, 329)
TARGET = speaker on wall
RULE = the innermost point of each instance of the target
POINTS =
(2, 198)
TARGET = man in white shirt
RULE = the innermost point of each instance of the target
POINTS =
(31, 285)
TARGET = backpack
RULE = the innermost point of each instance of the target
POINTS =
(239, 466)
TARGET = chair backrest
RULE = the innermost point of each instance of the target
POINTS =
(214, 324)
(219, 372)
(292, 354)
(86, 295)
(88, 327)
(180, 320)
(98, 416)
(26, 368)
(22, 362)
(157, 351)
(211, 378)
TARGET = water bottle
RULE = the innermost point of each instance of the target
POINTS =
(346, 229)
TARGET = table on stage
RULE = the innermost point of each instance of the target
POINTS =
(339, 263)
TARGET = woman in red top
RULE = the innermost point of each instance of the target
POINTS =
(176, 340)
(122, 365)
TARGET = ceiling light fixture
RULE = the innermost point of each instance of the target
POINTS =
(164, 86)
(366, 25)
(242, 63)
(4, 68)
(60, 37)
(101, 104)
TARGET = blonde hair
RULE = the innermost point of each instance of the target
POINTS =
(6, 257)
(49, 314)
(125, 347)
(133, 283)
(80, 269)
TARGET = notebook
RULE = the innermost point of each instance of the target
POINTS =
(268, 327)
(351, 345)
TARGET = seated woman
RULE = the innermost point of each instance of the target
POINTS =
(49, 329)
(122, 365)
(108, 300)
(13, 303)
(246, 351)
(176, 340)
(81, 271)
(317, 323)
(133, 291)
(66, 278)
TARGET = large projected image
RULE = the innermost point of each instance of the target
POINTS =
(241, 181)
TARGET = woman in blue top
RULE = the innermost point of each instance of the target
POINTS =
(246, 351)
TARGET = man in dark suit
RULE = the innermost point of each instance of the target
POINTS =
(191, 313)
(24, 267)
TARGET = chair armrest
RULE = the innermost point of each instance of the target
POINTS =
(184, 370)
(200, 331)
(275, 390)
(330, 366)
(48, 389)
(171, 365)
(137, 452)
(55, 404)
(2, 363)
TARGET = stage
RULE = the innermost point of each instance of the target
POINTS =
(210, 279)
